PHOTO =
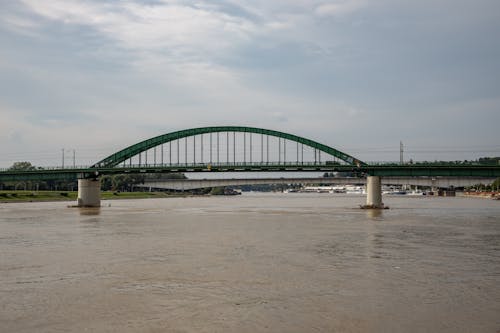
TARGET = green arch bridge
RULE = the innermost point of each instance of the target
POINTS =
(238, 148)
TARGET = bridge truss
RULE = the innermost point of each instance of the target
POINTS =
(226, 145)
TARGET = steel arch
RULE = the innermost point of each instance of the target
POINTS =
(126, 153)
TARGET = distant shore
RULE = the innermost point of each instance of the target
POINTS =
(482, 195)
(52, 196)
(48, 196)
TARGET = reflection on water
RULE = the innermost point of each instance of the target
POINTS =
(373, 213)
(86, 211)
(252, 263)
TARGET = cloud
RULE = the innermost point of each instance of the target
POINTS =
(339, 8)
(127, 70)
(178, 32)
(20, 24)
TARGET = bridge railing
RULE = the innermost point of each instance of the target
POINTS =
(204, 165)
(66, 167)
(427, 163)
(233, 165)
(223, 164)
(183, 165)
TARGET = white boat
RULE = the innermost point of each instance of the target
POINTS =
(394, 190)
(353, 189)
(416, 193)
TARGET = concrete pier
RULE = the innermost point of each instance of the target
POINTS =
(89, 193)
(373, 193)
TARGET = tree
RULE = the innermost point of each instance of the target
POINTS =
(106, 183)
(489, 160)
(120, 182)
(496, 184)
(22, 166)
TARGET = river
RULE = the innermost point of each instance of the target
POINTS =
(252, 263)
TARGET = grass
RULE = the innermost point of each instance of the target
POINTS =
(110, 195)
(35, 196)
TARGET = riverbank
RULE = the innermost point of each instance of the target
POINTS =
(483, 195)
(38, 196)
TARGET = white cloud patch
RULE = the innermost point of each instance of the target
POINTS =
(20, 24)
(339, 8)
(177, 31)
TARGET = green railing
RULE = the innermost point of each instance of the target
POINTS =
(451, 170)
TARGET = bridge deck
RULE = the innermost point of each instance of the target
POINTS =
(189, 184)
(419, 170)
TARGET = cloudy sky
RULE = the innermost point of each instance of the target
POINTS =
(359, 75)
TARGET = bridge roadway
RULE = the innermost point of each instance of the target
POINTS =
(381, 170)
(191, 184)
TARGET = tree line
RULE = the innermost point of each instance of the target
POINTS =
(119, 182)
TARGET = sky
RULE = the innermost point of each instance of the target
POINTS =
(96, 76)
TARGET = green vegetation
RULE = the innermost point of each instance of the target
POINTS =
(217, 191)
(127, 182)
(494, 187)
(489, 161)
(111, 195)
(27, 196)
(123, 183)
(22, 166)
(35, 196)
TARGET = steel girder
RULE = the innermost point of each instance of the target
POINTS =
(374, 170)
(145, 145)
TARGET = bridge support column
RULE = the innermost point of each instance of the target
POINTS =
(373, 193)
(89, 193)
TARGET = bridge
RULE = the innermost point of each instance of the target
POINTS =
(192, 184)
(244, 149)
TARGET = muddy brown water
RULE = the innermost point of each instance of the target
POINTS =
(251, 263)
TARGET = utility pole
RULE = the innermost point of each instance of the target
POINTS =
(401, 152)
(74, 164)
(63, 158)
